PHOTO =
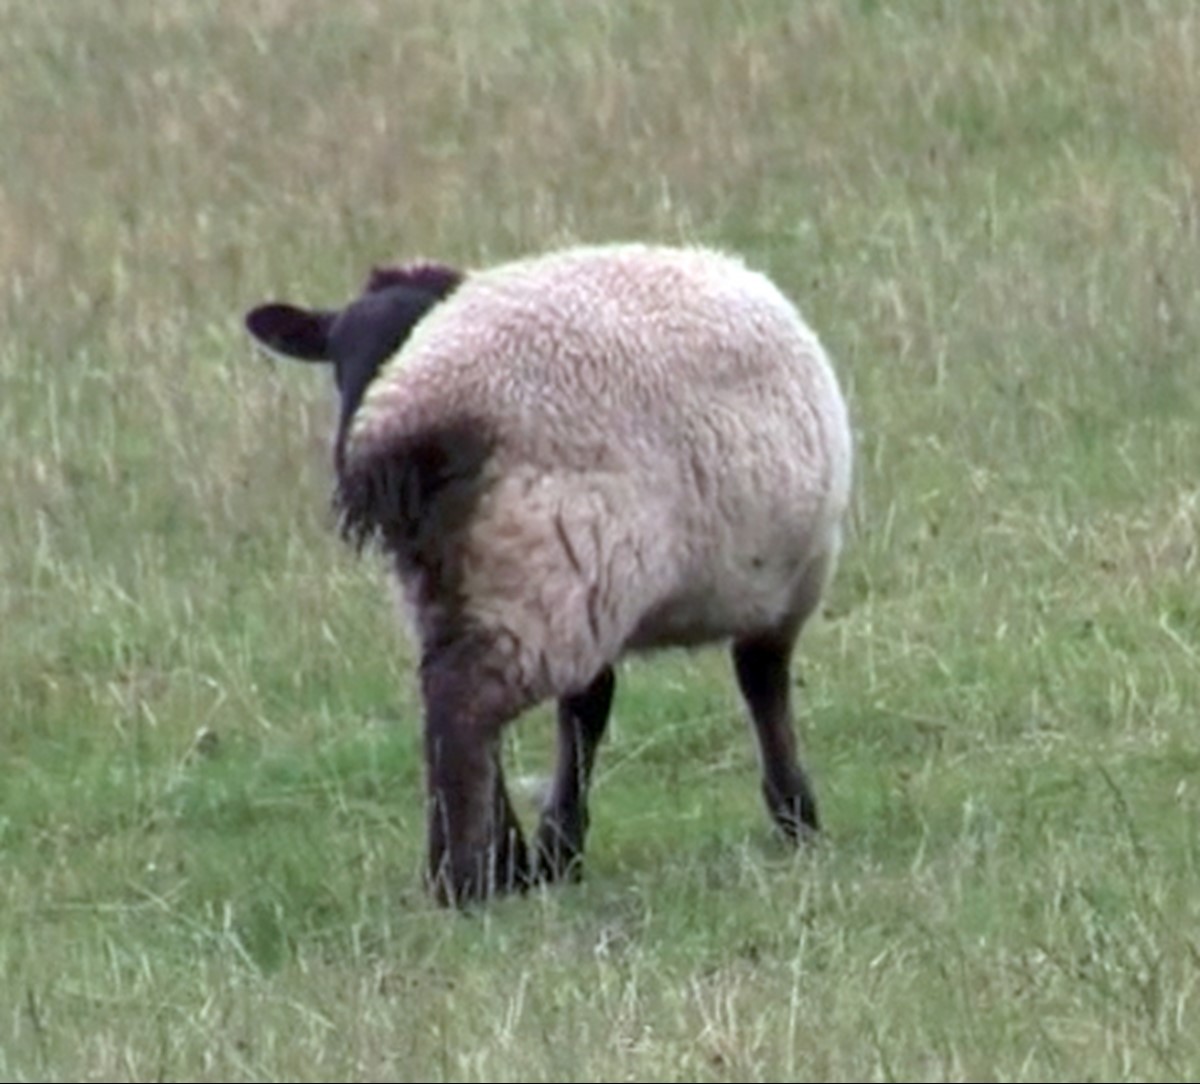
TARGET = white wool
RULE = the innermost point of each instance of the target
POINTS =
(672, 460)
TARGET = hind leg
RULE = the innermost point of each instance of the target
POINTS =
(475, 845)
(582, 718)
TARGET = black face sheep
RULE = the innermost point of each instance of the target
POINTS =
(564, 459)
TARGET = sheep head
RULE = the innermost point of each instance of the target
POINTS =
(358, 339)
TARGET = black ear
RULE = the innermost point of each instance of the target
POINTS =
(286, 331)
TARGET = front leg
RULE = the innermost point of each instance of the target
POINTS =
(582, 719)
(761, 664)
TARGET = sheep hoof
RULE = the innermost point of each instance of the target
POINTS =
(558, 851)
(796, 817)
(500, 870)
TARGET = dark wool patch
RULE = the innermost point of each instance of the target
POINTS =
(433, 278)
(414, 501)
(414, 497)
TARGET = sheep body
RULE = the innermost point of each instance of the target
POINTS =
(670, 453)
(567, 458)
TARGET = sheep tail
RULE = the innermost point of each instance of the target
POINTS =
(413, 494)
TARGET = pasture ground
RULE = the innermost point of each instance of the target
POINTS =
(991, 214)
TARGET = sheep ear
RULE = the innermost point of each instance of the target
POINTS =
(288, 332)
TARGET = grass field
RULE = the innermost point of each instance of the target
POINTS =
(991, 214)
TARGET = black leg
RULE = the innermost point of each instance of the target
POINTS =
(582, 719)
(762, 665)
(475, 845)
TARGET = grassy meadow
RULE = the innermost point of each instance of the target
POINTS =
(210, 808)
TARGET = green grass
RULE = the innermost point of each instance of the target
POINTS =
(990, 212)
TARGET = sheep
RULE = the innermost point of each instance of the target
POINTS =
(566, 458)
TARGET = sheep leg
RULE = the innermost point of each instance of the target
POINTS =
(762, 665)
(475, 845)
(582, 718)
